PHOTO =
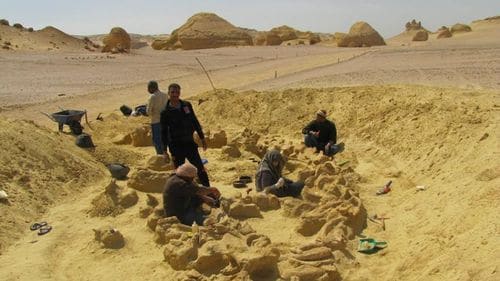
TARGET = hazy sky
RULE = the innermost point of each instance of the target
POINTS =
(162, 16)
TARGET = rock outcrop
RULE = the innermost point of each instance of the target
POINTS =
(280, 35)
(117, 41)
(444, 32)
(202, 31)
(413, 25)
(361, 34)
(146, 180)
(421, 35)
(459, 27)
(109, 238)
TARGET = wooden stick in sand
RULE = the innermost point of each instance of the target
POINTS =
(208, 76)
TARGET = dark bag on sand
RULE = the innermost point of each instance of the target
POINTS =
(141, 110)
(84, 141)
(75, 127)
(118, 171)
(126, 110)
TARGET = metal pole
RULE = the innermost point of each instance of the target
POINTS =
(208, 76)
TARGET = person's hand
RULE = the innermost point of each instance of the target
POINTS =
(204, 144)
(208, 200)
(214, 191)
(314, 133)
(280, 183)
(327, 146)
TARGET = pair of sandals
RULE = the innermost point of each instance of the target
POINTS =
(242, 181)
(42, 227)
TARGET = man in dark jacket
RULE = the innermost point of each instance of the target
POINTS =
(321, 133)
(178, 123)
(183, 198)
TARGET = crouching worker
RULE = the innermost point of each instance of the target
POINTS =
(183, 197)
(270, 180)
(321, 133)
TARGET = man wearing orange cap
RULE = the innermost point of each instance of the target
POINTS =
(182, 197)
(321, 133)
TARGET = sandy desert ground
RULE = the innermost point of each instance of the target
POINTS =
(419, 114)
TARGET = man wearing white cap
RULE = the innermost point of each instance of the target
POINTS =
(182, 197)
(321, 133)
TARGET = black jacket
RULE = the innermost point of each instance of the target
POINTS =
(178, 125)
(327, 131)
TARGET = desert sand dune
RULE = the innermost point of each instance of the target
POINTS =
(424, 115)
(46, 39)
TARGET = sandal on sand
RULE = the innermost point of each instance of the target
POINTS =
(239, 184)
(44, 229)
(370, 245)
(245, 179)
(37, 225)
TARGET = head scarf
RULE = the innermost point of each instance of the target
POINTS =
(268, 161)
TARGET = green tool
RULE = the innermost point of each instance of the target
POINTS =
(370, 245)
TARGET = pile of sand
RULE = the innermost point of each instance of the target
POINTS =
(202, 31)
(361, 34)
(35, 175)
(413, 135)
(117, 41)
(47, 39)
(113, 200)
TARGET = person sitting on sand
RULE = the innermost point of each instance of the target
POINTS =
(182, 197)
(270, 180)
(321, 133)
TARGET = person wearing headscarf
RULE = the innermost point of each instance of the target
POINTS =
(269, 176)
(182, 197)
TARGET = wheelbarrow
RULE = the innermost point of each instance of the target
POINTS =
(69, 117)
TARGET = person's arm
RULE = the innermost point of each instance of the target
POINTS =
(165, 130)
(150, 106)
(310, 127)
(197, 127)
(306, 129)
(268, 181)
(209, 195)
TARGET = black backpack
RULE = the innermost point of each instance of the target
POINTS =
(84, 141)
(118, 171)
(75, 127)
(126, 110)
